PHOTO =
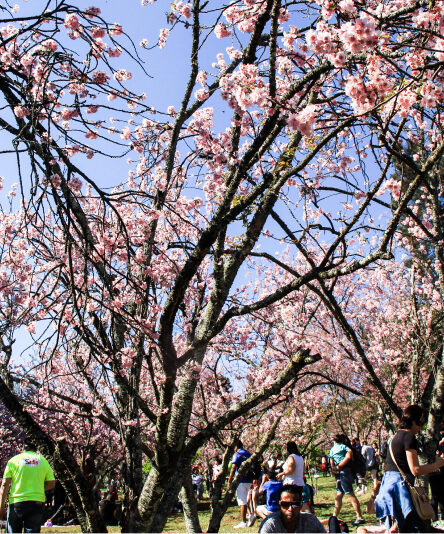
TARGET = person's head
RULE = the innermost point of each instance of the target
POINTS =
(238, 445)
(292, 448)
(196, 470)
(413, 418)
(271, 473)
(290, 502)
(28, 445)
(364, 442)
(338, 438)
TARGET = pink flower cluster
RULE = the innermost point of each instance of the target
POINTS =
(303, 120)
(222, 31)
(244, 88)
(21, 111)
(359, 36)
(163, 35)
(100, 77)
(72, 22)
(122, 75)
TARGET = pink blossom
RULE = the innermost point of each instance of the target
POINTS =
(92, 11)
(201, 94)
(126, 133)
(75, 184)
(114, 52)
(303, 120)
(50, 44)
(163, 34)
(21, 112)
(71, 21)
(116, 29)
(56, 180)
(222, 31)
(122, 75)
(97, 32)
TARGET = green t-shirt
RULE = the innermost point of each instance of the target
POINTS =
(28, 472)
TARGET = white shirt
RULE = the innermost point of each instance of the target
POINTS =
(296, 477)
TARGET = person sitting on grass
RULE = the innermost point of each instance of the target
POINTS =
(272, 488)
(289, 518)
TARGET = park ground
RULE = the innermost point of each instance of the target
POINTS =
(324, 502)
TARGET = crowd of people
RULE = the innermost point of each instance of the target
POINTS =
(274, 491)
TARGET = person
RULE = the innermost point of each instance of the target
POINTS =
(324, 466)
(107, 509)
(341, 458)
(307, 497)
(197, 482)
(356, 444)
(26, 478)
(272, 489)
(393, 500)
(289, 517)
(371, 463)
(436, 480)
(293, 468)
(240, 456)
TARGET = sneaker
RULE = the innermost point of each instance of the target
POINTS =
(241, 525)
(359, 521)
(251, 520)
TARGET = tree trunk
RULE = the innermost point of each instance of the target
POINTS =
(189, 503)
(133, 476)
(168, 502)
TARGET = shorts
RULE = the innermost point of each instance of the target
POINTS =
(242, 493)
(263, 510)
(345, 482)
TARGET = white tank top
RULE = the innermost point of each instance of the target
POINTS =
(296, 477)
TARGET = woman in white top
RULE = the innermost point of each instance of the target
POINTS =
(293, 468)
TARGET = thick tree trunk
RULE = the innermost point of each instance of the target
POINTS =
(133, 478)
(169, 499)
(189, 503)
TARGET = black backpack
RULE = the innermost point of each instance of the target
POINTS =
(358, 463)
(254, 471)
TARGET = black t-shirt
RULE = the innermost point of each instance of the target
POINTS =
(402, 441)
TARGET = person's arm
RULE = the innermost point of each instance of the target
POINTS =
(416, 469)
(49, 485)
(4, 492)
(288, 467)
(348, 458)
(232, 471)
(264, 479)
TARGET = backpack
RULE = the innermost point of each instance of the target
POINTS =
(254, 471)
(335, 525)
(358, 464)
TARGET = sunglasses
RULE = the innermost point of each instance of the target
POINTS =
(294, 504)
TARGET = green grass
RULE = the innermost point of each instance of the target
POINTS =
(324, 504)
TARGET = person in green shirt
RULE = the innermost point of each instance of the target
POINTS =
(26, 478)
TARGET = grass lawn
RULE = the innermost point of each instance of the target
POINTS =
(324, 503)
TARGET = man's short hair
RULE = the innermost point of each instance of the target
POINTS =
(291, 488)
(238, 444)
(29, 444)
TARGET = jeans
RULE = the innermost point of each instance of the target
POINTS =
(27, 515)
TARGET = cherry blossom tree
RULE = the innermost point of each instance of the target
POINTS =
(269, 165)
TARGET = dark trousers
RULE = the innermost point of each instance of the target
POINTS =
(26, 515)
